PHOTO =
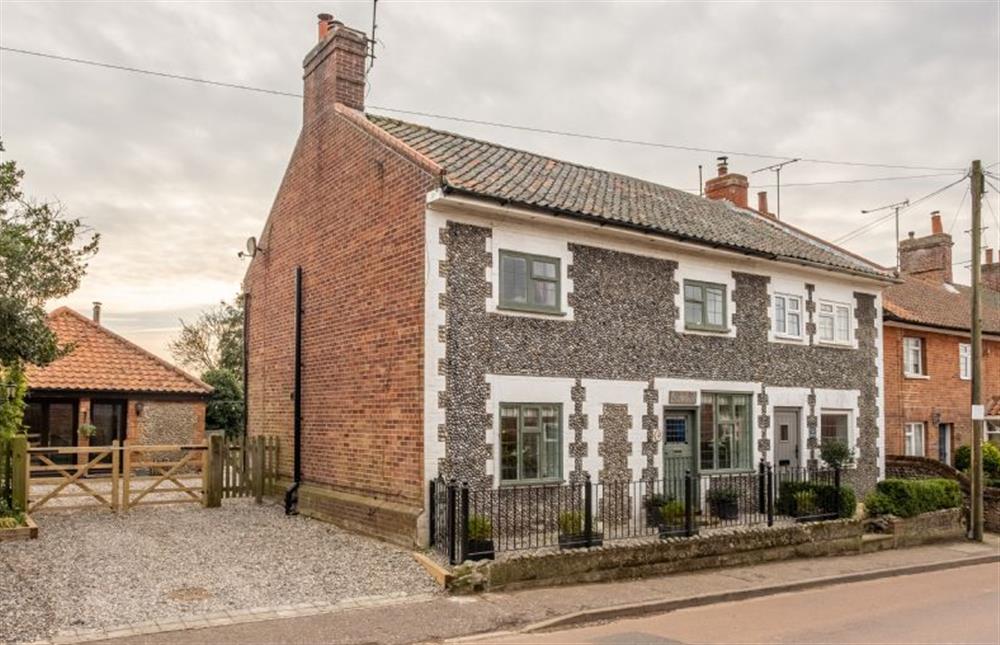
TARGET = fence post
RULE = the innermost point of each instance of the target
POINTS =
(588, 511)
(770, 495)
(127, 476)
(761, 502)
(463, 529)
(19, 472)
(432, 511)
(688, 504)
(450, 523)
(212, 475)
(258, 469)
(115, 462)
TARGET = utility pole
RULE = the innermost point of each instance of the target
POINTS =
(895, 207)
(976, 190)
(777, 173)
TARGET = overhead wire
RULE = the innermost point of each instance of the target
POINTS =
(499, 124)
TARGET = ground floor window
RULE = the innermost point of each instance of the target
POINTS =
(913, 439)
(726, 436)
(833, 426)
(530, 442)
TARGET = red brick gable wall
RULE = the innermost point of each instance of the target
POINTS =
(350, 211)
(943, 394)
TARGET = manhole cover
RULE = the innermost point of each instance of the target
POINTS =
(189, 594)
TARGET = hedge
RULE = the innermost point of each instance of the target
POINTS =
(826, 496)
(909, 497)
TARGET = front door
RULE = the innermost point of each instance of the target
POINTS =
(944, 442)
(786, 434)
(108, 417)
(678, 434)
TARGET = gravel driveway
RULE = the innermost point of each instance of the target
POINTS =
(91, 569)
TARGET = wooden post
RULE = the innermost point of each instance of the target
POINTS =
(258, 469)
(127, 471)
(976, 494)
(19, 471)
(212, 475)
(115, 462)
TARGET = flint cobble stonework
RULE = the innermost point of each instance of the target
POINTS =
(623, 329)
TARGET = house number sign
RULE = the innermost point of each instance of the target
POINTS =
(682, 397)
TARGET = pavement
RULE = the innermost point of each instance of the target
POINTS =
(949, 606)
(499, 615)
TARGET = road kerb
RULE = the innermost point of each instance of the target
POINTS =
(665, 606)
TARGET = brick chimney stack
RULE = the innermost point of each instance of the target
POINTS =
(929, 257)
(334, 69)
(990, 271)
(729, 186)
(762, 205)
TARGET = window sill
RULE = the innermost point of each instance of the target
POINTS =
(917, 377)
(706, 330)
(834, 344)
(532, 482)
(530, 310)
(781, 338)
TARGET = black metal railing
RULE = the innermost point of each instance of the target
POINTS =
(475, 523)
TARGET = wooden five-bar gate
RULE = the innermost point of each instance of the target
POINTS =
(122, 477)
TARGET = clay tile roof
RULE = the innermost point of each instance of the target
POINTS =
(488, 170)
(940, 305)
(101, 360)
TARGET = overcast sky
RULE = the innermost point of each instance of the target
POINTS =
(176, 175)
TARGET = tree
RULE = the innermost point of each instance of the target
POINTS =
(214, 341)
(225, 409)
(42, 256)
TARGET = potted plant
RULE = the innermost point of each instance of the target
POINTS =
(571, 532)
(87, 430)
(672, 518)
(805, 503)
(653, 504)
(480, 530)
(724, 503)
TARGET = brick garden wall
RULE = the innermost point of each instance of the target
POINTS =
(942, 398)
(350, 212)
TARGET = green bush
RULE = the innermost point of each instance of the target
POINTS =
(909, 497)
(836, 453)
(10, 517)
(826, 498)
(963, 458)
(480, 528)
(991, 459)
(805, 502)
(571, 523)
(672, 512)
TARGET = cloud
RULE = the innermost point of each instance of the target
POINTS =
(176, 175)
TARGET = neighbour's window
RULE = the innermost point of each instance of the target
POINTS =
(964, 361)
(913, 439)
(834, 322)
(530, 442)
(788, 316)
(833, 427)
(913, 356)
(704, 306)
(725, 441)
(529, 282)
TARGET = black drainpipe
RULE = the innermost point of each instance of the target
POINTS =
(292, 494)
(246, 360)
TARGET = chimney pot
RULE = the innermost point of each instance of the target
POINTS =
(324, 24)
(936, 227)
(762, 202)
(723, 165)
(97, 312)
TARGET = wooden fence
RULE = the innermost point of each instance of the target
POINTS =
(121, 477)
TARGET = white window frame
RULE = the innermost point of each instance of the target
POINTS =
(912, 431)
(911, 343)
(785, 299)
(834, 309)
(965, 361)
(848, 414)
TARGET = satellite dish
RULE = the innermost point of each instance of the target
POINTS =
(251, 246)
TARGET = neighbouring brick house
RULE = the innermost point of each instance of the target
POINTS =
(928, 355)
(478, 312)
(113, 384)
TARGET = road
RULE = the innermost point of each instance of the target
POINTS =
(955, 606)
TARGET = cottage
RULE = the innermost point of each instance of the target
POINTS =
(928, 351)
(110, 383)
(422, 303)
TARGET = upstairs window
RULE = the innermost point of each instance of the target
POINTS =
(529, 282)
(834, 323)
(530, 442)
(913, 356)
(787, 316)
(704, 306)
(964, 361)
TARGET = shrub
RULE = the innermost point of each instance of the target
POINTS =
(805, 502)
(963, 458)
(836, 453)
(826, 498)
(571, 523)
(480, 528)
(909, 497)
(723, 495)
(991, 459)
(672, 512)
(10, 517)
